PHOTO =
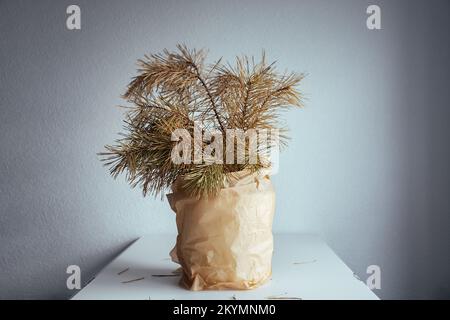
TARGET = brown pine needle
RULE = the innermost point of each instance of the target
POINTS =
(133, 280)
(305, 262)
(123, 271)
(283, 298)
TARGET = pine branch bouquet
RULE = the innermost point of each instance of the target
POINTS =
(221, 192)
(178, 90)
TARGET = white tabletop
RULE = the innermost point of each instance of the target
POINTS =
(304, 267)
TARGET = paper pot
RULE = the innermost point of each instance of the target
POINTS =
(225, 242)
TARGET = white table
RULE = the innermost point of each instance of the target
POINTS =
(304, 267)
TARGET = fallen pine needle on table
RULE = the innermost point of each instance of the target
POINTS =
(138, 279)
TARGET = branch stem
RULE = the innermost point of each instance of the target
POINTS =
(211, 99)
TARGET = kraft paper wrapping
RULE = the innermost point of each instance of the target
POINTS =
(226, 242)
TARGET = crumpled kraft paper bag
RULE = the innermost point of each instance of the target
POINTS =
(226, 242)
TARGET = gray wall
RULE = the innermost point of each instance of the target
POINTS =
(367, 167)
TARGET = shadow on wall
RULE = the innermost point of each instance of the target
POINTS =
(425, 65)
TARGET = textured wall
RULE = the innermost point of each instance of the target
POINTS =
(367, 167)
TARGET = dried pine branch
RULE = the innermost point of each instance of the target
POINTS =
(175, 90)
